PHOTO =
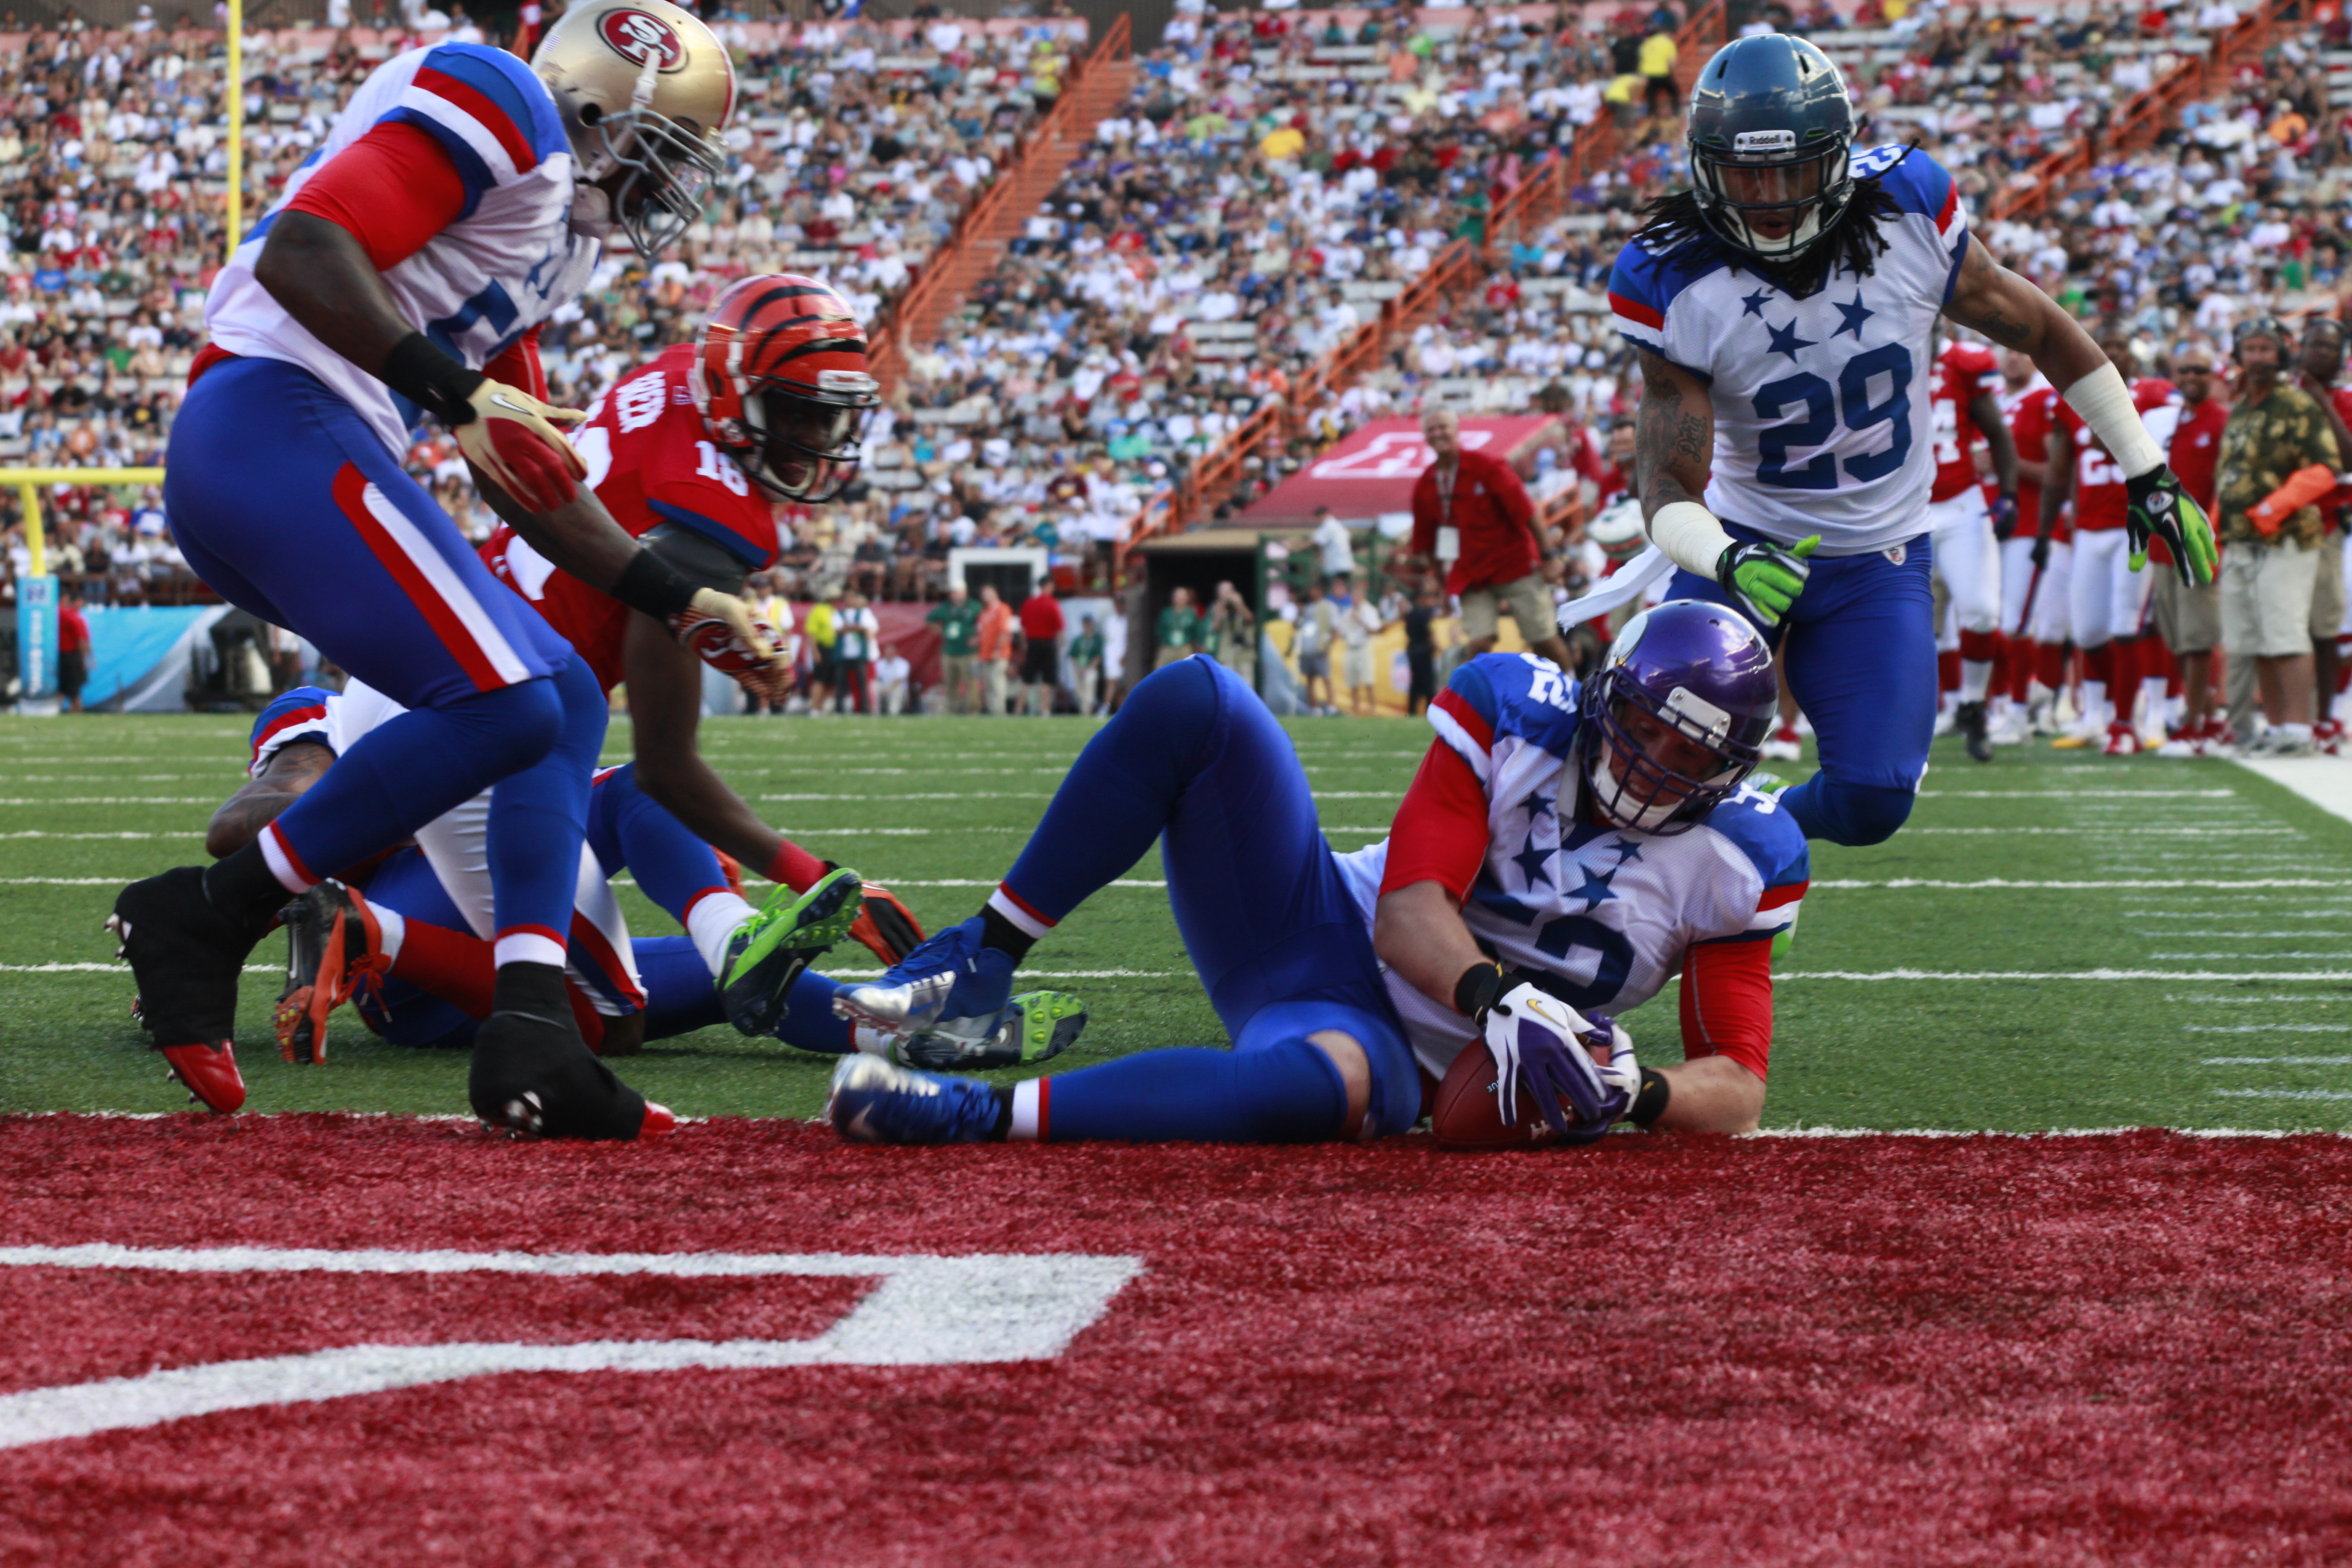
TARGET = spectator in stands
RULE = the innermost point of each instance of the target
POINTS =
(1318, 629)
(1657, 58)
(1181, 632)
(992, 643)
(2268, 562)
(857, 634)
(1233, 634)
(1359, 623)
(821, 621)
(1086, 659)
(73, 649)
(1042, 624)
(1473, 517)
(958, 619)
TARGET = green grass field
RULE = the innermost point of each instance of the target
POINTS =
(1916, 996)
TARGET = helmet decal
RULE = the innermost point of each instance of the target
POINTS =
(782, 383)
(639, 35)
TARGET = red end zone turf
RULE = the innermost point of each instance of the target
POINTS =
(1854, 1351)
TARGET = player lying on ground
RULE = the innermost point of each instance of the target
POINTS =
(460, 200)
(1555, 848)
(1784, 310)
(390, 937)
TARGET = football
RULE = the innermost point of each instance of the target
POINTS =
(1468, 1113)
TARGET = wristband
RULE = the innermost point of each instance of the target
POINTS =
(1651, 1103)
(1690, 536)
(420, 371)
(653, 585)
(2105, 405)
(1476, 990)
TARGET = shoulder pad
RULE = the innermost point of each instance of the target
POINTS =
(1756, 822)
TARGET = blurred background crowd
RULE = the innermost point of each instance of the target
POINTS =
(1274, 177)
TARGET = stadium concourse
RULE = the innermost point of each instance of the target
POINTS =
(2038, 1256)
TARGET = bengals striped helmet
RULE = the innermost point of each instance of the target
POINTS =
(780, 379)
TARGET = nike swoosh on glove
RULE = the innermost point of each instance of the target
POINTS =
(725, 635)
(2157, 507)
(514, 439)
(1531, 1033)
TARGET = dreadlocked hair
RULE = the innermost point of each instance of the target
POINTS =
(1673, 222)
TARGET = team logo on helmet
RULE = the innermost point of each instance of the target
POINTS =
(639, 35)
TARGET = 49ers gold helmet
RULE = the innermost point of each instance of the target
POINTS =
(645, 89)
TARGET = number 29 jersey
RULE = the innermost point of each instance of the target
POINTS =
(651, 462)
(1822, 405)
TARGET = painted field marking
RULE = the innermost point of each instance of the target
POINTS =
(2269, 1029)
(873, 799)
(926, 1311)
(2284, 1093)
(2077, 794)
(44, 833)
(2328, 975)
(2341, 884)
(2277, 1061)
(2292, 953)
(123, 970)
(2252, 935)
(2261, 1001)
(2120, 832)
(111, 800)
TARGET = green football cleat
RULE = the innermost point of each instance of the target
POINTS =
(769, 953)
(1035, 1028)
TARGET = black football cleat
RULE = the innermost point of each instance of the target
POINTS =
(1968, 719)
(535, 1078)
(334, 945)
(186, 957)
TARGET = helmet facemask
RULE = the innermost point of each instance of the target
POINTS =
(669, 167)
(803, 444)
(1657, 764)
(1771, 183)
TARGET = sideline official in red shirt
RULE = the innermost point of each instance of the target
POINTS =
(1472, 515)
(73, 649)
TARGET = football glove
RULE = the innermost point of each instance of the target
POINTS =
(1532, 1035)
(1766, 578)
(725, 635)
(2041, 551)
(514, 438)
(885, 924)
(2004, 517)
(2158, 508)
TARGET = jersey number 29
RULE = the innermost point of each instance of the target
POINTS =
(1819, 426)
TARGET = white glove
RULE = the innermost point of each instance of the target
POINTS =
(1531, 1033)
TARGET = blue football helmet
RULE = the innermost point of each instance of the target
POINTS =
(1703, 672)
(1771, 141)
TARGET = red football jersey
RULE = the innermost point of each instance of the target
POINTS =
(650, 461)
(2333, 508)
(2099, 496)
(2030, 413)
(1961, 373)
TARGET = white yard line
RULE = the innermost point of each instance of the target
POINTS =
(2341, 884)
(1883, 974)
(2283, 1093)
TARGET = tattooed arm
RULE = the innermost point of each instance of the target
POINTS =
(292, 769)
(1673, 434)
(2013, 313)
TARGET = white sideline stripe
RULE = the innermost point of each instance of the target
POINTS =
(111, 800)
(2341, 884)
(2252, 935)
(885, 881)
(2337, 952)
(2270, 1029)
(65, 881)
(2284, 1093)
(2332, 974)
(2077, 794)
(118, 967)
(125, 971)
(44, 833)
(2121, 832)
(2260, 1001)
(875, 799)
(2048, 1133)
(2326, 781)
(2278, 1061)
(927, 1311)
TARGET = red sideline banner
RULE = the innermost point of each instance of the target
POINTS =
(1373, 470)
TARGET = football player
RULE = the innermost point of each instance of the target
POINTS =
(689, 454)
(1964, 534)
(2034, 560)
(1561, 852)
(2107, 598)
(459, 199)
(389, 935)
(1784, 310)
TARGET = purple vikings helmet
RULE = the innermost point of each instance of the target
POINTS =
(1704, 672)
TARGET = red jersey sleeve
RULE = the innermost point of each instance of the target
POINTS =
(393, 189)
(519, 367)
(1440, 834)
(1726, 1003)
(688, 481)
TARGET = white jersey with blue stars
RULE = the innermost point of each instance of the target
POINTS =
(1607, 913)
(1822, 405)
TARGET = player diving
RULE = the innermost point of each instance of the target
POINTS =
(460, 200)
(1561, 853)
(1784, 310)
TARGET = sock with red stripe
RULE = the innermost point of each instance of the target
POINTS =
(1948, 672)
(2049, 664)
(1977, 651)
(392, 782)
(2123, 678)
(1286, 1092)
(539, 819)
(2024, 658)
(454, 965)
(1111, 807)
(795, 867)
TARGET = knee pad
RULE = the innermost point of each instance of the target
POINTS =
(1849, 814)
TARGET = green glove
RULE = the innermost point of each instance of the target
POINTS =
(2159, 508)
(1766, 578)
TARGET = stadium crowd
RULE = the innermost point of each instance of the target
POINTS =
(1271, 180)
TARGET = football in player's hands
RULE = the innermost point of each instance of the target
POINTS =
(725, 635)
(1473, 1109)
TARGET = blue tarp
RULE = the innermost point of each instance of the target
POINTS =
(140, 655)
